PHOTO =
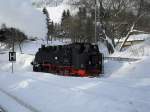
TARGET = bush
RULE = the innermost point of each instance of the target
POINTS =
(7, 35)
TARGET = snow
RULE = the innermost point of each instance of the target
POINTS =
(136, 51)
(21, 14)
(137, 37)
(103, 49)
(55, 13)
(9, 103)
(123, 88)
(47, 92)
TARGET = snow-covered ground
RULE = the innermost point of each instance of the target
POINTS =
(125, 86)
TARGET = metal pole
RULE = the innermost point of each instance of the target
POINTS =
(95, 21)
(13, 49)
(47, 39)
(12, 67)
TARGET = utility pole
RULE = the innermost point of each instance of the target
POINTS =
(13, 49)
(95, 21)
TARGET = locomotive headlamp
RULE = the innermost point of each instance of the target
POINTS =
(56, 58)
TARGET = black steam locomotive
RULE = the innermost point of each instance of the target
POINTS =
(77, 59)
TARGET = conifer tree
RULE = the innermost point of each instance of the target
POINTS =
(66, 22)
(63, 16)
(68, 13)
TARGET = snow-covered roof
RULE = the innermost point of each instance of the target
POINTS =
(137, 37)
(140, 37)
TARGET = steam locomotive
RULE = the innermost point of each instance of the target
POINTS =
(77, 59)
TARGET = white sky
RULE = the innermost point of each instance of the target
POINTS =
(22, 15)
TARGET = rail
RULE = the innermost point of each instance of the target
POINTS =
(121, 59)
(19, 101)
(2, 109)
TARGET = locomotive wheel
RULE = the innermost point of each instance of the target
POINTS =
(45, 69)
(40, 69)
(35, 69)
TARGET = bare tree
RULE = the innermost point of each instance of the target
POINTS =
(142, 8)
(117, 18)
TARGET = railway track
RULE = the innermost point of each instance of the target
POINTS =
(121, 59)
(3, 52)
(19, 101)
(2, 109)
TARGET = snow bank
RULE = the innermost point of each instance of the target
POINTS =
(21, 14)
(21, 65)
(134, 70)
(103, 48)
